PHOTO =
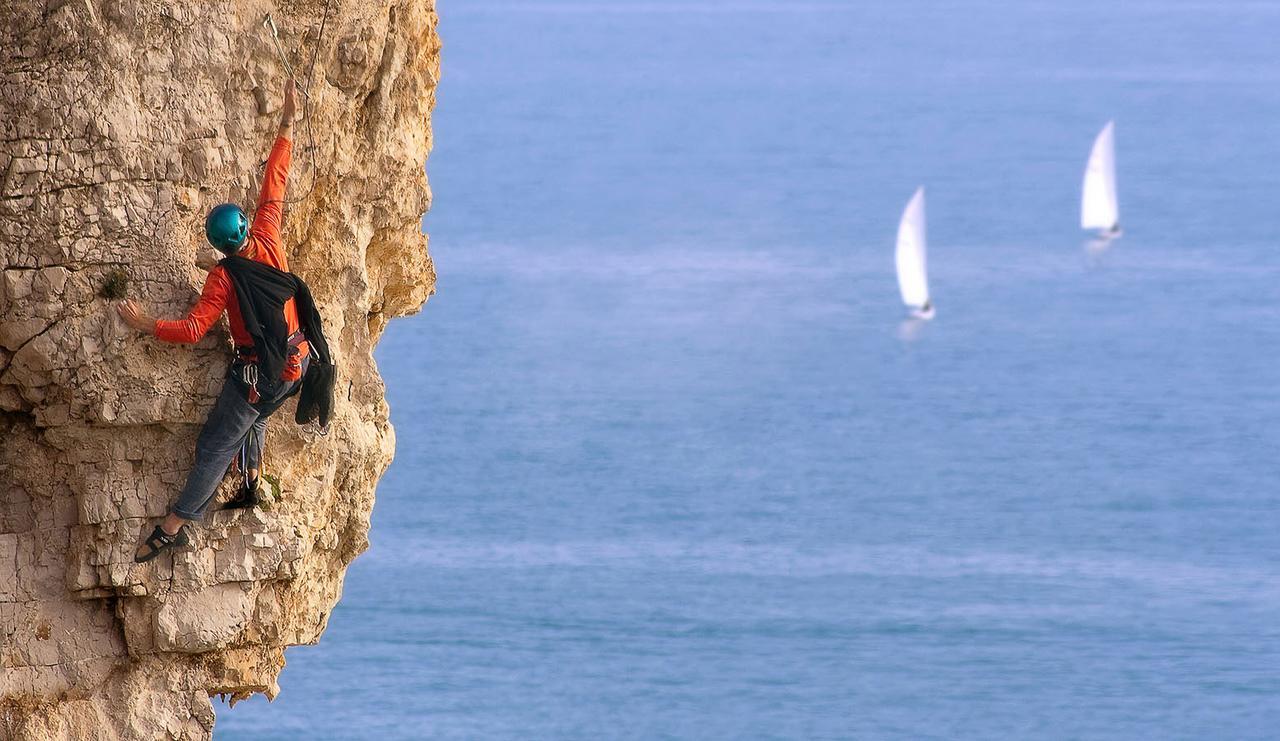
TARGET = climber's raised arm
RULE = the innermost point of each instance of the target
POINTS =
(267, 218)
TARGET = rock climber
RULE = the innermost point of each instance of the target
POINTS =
(254, 389)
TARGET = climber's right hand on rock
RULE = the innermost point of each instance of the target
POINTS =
(287, 110)
(290, 106)
(135, 317)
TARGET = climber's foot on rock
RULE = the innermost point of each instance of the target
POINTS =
(246, 496)
(158, 542)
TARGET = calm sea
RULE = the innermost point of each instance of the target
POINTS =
(669, 464)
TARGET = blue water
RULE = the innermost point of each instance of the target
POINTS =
(670, 466)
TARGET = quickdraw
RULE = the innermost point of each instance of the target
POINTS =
(249, 374)
(269, 23)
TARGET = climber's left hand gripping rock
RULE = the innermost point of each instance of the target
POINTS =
(135, 317)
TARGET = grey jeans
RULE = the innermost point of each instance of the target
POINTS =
(234, 424)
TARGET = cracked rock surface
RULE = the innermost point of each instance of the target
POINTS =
(123, 123)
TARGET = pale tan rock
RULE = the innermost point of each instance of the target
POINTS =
(121, 124)
(8, 567)
(195, 622)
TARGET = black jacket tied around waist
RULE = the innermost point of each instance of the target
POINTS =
(262, 292)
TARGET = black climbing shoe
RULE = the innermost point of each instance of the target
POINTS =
(159, 541)
(246, 497)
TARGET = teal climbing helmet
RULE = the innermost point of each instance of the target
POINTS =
(226, 226)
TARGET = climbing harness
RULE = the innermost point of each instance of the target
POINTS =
(247, 361)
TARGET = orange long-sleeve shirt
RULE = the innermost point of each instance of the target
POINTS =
(263, 244)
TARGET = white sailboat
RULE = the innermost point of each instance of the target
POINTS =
(1099, 205)
(913, 276)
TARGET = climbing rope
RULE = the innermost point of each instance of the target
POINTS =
(244, 453)
(269, 23)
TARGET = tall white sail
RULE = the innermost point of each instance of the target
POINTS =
(913, 278)
(1099, 208)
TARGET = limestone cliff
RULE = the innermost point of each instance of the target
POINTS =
(123, 122)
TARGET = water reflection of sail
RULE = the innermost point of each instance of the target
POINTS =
(910, 328)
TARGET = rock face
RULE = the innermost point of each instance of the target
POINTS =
(123, 123)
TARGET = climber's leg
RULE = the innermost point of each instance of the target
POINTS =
(231, 420)
(251, 465)
(220, 439)
(251, 448)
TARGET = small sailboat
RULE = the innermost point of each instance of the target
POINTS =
(1099, 206)
(913, 277)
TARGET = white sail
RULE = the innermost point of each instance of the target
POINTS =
(913, 279)
(1099, 208)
